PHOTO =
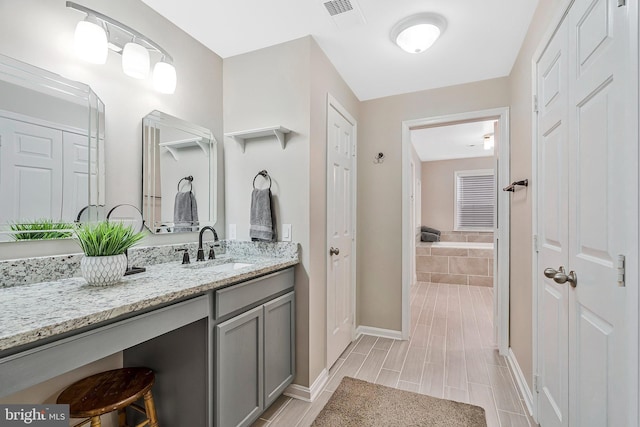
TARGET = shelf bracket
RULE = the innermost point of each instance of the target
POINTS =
(173, 153)
(280, 137)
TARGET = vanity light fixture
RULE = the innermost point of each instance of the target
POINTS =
(417, 33)
(98, 33)
(90, 41)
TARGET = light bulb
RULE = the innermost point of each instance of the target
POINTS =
(135, 61)
(90, 42)
(164, 77)
(418, 38)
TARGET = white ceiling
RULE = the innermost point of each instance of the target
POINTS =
(481, 41)
(452, 141)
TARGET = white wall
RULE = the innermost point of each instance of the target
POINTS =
(40, 32)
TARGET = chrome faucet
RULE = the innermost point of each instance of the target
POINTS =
(212, 254)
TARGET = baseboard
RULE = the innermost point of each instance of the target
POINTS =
(379, 332)
(308, 394)
(520, 380)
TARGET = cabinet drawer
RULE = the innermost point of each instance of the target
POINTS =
(245, 294)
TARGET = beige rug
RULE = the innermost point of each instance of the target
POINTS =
(360, 403)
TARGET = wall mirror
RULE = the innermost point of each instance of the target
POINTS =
(178, 174)
(51, 153)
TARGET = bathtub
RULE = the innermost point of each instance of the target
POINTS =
(455, 263)
(461, 245)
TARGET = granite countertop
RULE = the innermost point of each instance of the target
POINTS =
(40, 310)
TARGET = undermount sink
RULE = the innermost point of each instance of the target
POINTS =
(217, 267)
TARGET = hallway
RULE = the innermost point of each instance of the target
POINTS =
(449, 355)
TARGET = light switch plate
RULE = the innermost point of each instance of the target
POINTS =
(232, 232)
(286, 232)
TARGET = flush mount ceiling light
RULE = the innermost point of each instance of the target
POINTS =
(417, 33)
(98, 34)
(488, 141)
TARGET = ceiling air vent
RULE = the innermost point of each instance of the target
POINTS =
(337, 7)
(344, 13)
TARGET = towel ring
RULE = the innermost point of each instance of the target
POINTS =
(187, 178)
(265, 175)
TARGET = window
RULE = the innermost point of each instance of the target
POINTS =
(475, 200)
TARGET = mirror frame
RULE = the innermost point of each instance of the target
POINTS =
(35, 78)
(153, 119)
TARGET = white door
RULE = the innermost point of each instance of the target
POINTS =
(552, 216)
(340, 233)
(31, 171)
(598, 221)
(583, 223)
(76, 174)
(414, 225)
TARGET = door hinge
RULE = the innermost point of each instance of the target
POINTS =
(535, 243)
(622, 3)
(621, 267)
(535, 103)
(536, 383)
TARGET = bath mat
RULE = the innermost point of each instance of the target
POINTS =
(357, 403)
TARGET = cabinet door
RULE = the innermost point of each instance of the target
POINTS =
(239, 362)
(279, 343)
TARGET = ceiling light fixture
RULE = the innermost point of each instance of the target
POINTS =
(488, 141)
(98, 34)
(418, 33)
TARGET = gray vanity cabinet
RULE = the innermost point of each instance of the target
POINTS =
(279, 353)
(254, 348)
(239, 369)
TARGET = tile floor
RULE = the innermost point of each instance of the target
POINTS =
(450, 355)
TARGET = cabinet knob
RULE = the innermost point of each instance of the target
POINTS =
(334, 251)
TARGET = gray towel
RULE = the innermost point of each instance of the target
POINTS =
(429, 237)
(429, 230)
(262, 224)
(185, 212)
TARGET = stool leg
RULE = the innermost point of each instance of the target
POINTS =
(150, 408)
(95, 422)
(122, 418)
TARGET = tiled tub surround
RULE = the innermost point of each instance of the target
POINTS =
(40, 269)
(466, 236)
(471, 263)
(36, 311)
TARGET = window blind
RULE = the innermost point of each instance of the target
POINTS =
(475, 200)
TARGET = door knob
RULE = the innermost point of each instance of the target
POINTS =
(572, 278)
(334, 251)
(550, 272)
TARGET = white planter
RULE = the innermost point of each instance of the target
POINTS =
(103, 270)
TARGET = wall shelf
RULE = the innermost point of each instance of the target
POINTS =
(173, 146)
(241, 137)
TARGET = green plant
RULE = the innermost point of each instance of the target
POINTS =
(41, 229)
(107, 238)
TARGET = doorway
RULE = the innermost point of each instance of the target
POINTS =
(501, 236)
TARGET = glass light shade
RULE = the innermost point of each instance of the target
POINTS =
(135, 61)
(488, 142)
(90, 42)
(418, 38)
(164, 77)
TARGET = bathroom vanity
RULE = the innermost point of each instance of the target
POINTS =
(219, 334)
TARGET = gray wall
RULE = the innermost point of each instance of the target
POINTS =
(521, 293)
(380, 188)
(287, 85)
(40, 32)
(438, 189)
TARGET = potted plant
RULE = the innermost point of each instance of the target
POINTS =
(104, 245)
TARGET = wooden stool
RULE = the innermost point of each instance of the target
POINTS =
(110, 391)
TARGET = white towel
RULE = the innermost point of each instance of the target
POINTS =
(262, 224)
